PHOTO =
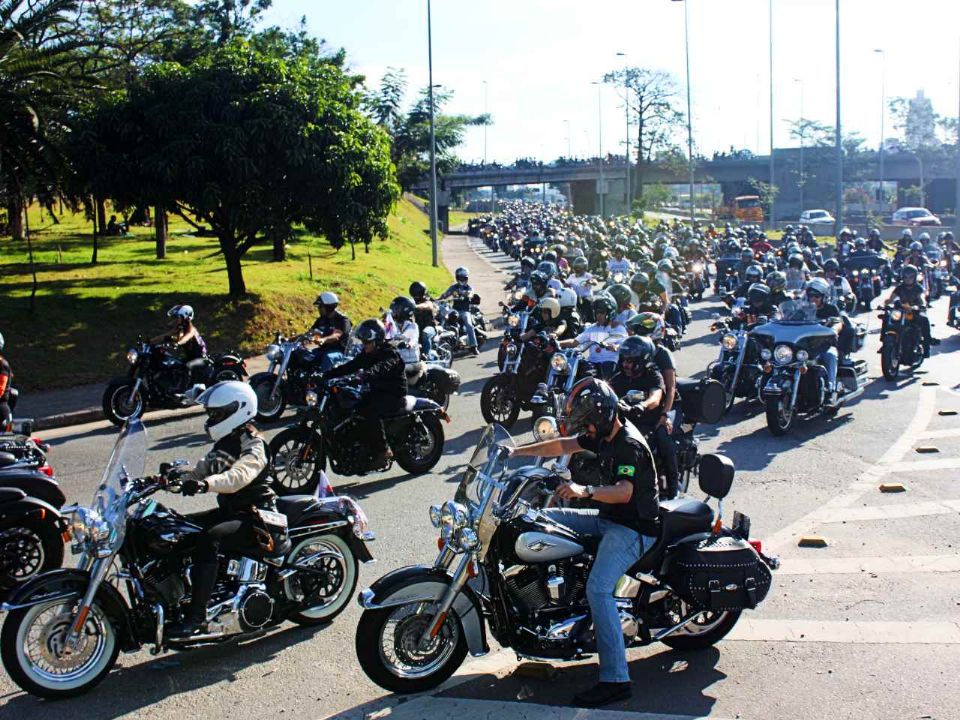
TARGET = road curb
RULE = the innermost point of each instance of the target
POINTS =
(79, 417)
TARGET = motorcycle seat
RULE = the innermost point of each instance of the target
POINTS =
(10, 495)
(7, 459)
(294, 506)
(678, 518)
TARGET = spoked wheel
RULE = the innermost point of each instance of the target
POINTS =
(118, 404)
(296, 461)
(27, 549)
(38, 657)
(389, 650)
(498, 402)
(779, 415)
(329, 584)
(422, 447)
(704, 631)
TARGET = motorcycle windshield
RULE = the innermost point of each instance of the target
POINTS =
(127, 462)
(486, 463)
(797, 312)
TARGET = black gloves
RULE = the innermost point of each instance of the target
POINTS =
(192, 487)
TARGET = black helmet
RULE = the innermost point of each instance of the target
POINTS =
(527, 263)
(746, 254)
(580, 264)
(538, 280)
(605, 304)
(916, 246)
(638, 348)
(620, 293)
(758, 294)
(776, 281)
(417, 290)
(753, 274)
(461, 274)
(908, 270)
(550, 256)
(795, 260)
(590, 402)
(402, 308)
(547, 268)
(948, 235)
(831, 264)
(639, 282)
(371, 330)
(860, 243)
(874, 234)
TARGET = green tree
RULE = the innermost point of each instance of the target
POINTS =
(225, 20)
(249, 143)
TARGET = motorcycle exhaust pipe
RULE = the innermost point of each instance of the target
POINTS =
(677, 628)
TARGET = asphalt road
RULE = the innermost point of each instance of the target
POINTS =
(867, 627)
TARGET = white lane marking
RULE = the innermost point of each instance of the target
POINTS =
(939, 434)
(470, 709)
(887, 512)
(924, 465)
(837, 631)
(868, 478)
(856, 565)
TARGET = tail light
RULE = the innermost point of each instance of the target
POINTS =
(756, 545)
(46, 469)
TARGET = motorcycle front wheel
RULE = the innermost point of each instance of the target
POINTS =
(779, 415)
(389, 651)
(296, 459)
(33, 646)
(498, 403)
(118, 406)
(889, 359)
(270, 406)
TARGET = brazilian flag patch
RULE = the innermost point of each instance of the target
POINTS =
(626, 471)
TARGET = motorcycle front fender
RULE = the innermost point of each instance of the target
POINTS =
(267, 376)
(69, 584)
(423, 583)
(13, 512)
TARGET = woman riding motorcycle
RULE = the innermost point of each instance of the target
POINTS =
(237, 469)
(187, 337)
(6, 377)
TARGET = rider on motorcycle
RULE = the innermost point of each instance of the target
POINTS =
(606, 332)
(237, 469)
(330, 331)
(6, 377)
(522, 278)
(876, 243)
(624, 298)
(777, 282)
(382, 369)
(818, 290)
(406, 332)
(461, 293)
(910, 292)
(548, 320)
(619, 263)
(840, 291)
(753, 274)
(580, 280)
(186, 337)
(627, 519)
(425, 315)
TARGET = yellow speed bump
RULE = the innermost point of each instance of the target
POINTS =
(812, 541)
(893, 488)
(927, 449)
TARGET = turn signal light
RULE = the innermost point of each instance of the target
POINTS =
(46, 470)
(440, 543)
(756, 544)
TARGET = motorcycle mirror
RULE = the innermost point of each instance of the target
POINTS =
(195, 392)
(559, 468)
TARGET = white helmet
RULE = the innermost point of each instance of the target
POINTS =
(327, 298)
(568, 298)
(551, 305)
(229, 405)
(2, 342)
(181, 312)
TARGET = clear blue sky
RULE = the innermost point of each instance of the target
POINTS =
(540, 56)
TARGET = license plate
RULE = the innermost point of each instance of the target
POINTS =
(273, 519)
(741, 525)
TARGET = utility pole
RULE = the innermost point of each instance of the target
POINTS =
(686, 47)
(626, 111)
(433, 147)
(772, 176)
(883, 115)
(600, 143)
(838, 149)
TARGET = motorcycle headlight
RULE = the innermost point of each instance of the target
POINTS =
(783, 354)
(511, 350)
(311, 397)
(765, 354)
(697, 267)
(132, 356)
(559, 362)
(87, 527)
(802, 355)
(435, 515)
(513, 321)
(545, 428)
(896, 314)
(943, 263)
(466, 538)
(854, 272)
(956, 258)
(273, 352)
(729, 342)
(453, 516)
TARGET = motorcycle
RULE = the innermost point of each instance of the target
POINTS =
(797, 382)
(524, 365)
(292, 367)
(158, 379)
(696, 280)
(902, 339)
(506, 566)
(329, 431)
(433, 381)
(452, 335)
(738, 368)
(83, 620)
(866, 283)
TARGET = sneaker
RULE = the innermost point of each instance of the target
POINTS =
(603, 693)
(934, 341)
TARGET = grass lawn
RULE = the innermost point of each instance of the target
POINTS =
(458, 218)
(87, 315)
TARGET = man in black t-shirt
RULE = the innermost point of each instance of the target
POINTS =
(817, 291)
(910, 292)
(627, 520)
(331, 331)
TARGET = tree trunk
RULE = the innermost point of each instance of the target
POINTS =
(234, 268)
(160, 226)
(15, 213)
(96, 240)
(101, 214)
(353, 250)
(279, 248)
(638, 175)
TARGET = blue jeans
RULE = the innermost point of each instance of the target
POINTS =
(619, 549)
(829, 359)
(426, 341)
(673, 316)
(466, 319)
(328, 359)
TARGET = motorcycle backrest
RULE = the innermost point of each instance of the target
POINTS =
(7, 459)
(716, 475)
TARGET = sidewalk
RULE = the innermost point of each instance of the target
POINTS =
(82, 404)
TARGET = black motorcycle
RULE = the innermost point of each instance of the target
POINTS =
(507, 566)
(902, 339)
(524, 366)
(159, 378)
(738, 368)
(433, 381)
(305, 573)
(452, 335)
(329, 431)
(797, 382)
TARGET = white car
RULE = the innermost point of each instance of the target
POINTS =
(816, 217)
(914, 216)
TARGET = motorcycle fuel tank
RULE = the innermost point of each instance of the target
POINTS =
(539, 547)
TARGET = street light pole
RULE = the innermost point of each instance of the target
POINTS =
(956, 210)
(686, 47)
(803, 178)
(485, 87)
(772, 177)
(883, 114)
(433, 146)
(600, 138)
(838, 149)
(626, 110)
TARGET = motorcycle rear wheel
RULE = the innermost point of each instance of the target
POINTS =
(29, 548)
(334, 588)
(703, 632)
(497, 403)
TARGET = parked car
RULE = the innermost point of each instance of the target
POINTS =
(816, 217)
(915, 216)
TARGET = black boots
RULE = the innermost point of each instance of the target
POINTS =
(603, 693)
(204, 578)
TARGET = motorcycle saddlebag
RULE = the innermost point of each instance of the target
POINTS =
(720, 573)
(444, 378)
(703, 400)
